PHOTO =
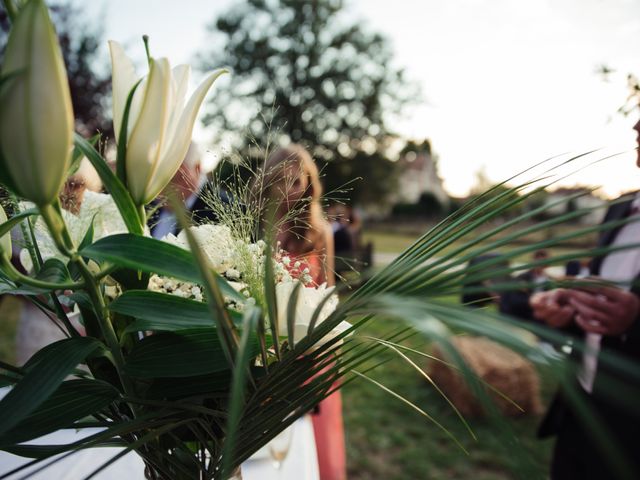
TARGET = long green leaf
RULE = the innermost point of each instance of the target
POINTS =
(154, 256)
(184, 354)
(56, 361)
(270, 298)
(72, 401)
(54, 271)
(16, 219)
(237, 394)
(162, 312)
(121, 167)
(118, 191)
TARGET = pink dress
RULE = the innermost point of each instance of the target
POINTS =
(328, 427)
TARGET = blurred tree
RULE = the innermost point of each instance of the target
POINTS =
(90, 86)
(302, 70)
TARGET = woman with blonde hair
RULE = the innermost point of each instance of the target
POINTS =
(293, 190)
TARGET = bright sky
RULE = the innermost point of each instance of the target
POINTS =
(507, 83)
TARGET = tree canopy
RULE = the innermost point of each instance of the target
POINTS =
(80, 41)
(306, 71)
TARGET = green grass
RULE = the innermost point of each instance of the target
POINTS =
(386, 439)
(397, 238)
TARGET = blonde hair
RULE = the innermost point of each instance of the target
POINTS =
(308, 222)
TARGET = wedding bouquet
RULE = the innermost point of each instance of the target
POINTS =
(199, 349)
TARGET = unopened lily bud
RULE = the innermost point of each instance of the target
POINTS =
(36, 116)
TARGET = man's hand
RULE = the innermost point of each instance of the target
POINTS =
(604, 310)
(553, 307)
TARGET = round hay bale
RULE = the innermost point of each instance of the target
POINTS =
(506, 371)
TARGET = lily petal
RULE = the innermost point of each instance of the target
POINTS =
(149, 133)
(123, 78)
(179, 143)
(36, 115)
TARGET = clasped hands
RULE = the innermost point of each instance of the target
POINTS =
(603, 309)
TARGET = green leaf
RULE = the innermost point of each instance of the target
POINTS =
(131, 279)
(88, 236)
(16, 219)
(144, 253)
(46, 451)
(54, 271)
(120, 194)
(72, 401)
(270, 298)
(53, 364)
(211, 385)
(292, 305)
(76, 156)
(121, 168)
(162, 312)
(241, 375)
(154, 256)
(184, 354)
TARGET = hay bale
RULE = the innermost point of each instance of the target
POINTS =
(506, 371)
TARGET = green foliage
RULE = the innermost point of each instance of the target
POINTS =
(428, 206)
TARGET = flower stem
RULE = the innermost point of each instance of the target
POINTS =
(15, 276)
(52, 216)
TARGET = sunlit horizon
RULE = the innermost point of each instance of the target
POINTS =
(506, 84)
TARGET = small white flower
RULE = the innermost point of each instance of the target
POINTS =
(232, 274)
(286, 261)
(216, 242)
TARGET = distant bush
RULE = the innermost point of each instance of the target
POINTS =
(428, 206)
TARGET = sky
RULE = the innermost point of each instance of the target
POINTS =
(506, 84)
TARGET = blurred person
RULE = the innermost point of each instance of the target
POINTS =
(605, 319)
(190, 184)
(292, 182)
(342, 238)
(516, 302)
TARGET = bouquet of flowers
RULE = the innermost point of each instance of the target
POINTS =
(198, 349)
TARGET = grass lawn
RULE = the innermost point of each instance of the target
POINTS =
(396, 239)
(387, 439)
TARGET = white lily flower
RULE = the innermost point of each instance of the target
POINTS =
(160, 121)
(36, 116)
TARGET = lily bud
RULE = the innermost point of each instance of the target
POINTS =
(5, 241)
(160, 121)
(36, 116)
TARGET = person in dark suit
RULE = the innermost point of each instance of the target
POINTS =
(191, 186)
(516, 302)
(605, 320)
